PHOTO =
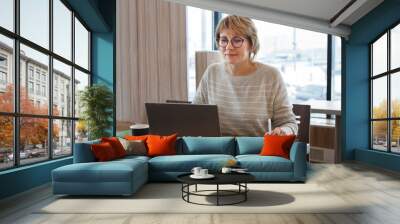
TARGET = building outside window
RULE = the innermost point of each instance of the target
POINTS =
(34, 82)
(385, 96)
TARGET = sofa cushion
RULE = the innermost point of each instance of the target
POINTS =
(277, 145)
(185, 163)
(161, 145)
(249, 145)
(112, 171)
(116, 145)
(257, 163)
(103, 152)
(208, 145)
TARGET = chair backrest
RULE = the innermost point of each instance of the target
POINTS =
(302, 113)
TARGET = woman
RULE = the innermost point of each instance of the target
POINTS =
(248, 93)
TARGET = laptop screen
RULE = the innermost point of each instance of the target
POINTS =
(184, 119)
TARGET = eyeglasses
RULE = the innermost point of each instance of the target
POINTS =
(236, 42)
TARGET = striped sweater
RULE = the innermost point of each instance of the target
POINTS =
(245, 103)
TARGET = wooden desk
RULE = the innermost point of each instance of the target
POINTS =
(322, 147)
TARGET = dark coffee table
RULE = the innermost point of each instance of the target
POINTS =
(238, 179)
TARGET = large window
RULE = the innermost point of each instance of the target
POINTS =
(40, 80)
(300, 55)
(385, 95)
(199, 38)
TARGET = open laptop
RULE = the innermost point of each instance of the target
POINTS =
(184, 119)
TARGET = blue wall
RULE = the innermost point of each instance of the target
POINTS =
(99, 15)
(356, 83)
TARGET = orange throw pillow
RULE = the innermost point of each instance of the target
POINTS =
(277, 145)
(103, 152)
(116, 145)
(161, 145)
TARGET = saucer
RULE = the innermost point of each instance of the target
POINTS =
(208, 176)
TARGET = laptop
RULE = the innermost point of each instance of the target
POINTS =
(184, 119)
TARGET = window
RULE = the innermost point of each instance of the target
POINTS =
(199, 38)
(81, 45)
(6, 73)
(30, 87)
(45, 131)
(7, 14)
(35, 21)
(385, 97)
(62, 29)
(3, 78)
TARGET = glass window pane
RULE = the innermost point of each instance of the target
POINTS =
(295, 51)
(33, 139)
(34, 72)
(379, 56)
(81, 131)
(395, 95)
(62, 29)
(379, 98)
(6, 74)
(6, 142)
(81, 81)
(62, 89)
(395, 47)
(35, 21)
(336, 68)
(379, 135)
(62, 138)
(81, 45)
(395, 136)
(7, 14)
(199, 38)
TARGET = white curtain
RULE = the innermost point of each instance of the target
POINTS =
(151, 56)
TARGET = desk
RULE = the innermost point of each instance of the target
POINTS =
(319, 151)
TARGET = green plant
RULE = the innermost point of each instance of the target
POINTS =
(96, 102)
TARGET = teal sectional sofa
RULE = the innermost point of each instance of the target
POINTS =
(125, 176)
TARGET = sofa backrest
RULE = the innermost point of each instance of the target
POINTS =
(83, 152)
(208, 145)
(249, 145)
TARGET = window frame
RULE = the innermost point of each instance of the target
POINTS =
(16, 114)
(388, 74)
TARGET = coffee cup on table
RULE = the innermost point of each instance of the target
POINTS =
(203, 172)
(196, 171)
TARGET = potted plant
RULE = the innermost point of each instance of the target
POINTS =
(96, 103)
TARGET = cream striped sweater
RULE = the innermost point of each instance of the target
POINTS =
(246, 102)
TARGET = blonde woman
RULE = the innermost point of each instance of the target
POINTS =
(248, 93)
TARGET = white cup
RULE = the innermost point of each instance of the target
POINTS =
(226, 170)
(203, 172)
(196, 170)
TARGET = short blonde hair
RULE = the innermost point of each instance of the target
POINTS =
(244, 26)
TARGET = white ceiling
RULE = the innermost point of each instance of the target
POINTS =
(315, 15)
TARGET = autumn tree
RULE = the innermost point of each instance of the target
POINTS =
(33, 130)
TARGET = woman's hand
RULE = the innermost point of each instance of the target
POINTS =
(278, 131)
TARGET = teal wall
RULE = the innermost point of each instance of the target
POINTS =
(356, 83)
(99, 15)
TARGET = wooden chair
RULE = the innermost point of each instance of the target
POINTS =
(302, 113)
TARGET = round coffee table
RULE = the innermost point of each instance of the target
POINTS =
(238, 179)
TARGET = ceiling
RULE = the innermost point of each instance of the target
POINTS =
(327, 16)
